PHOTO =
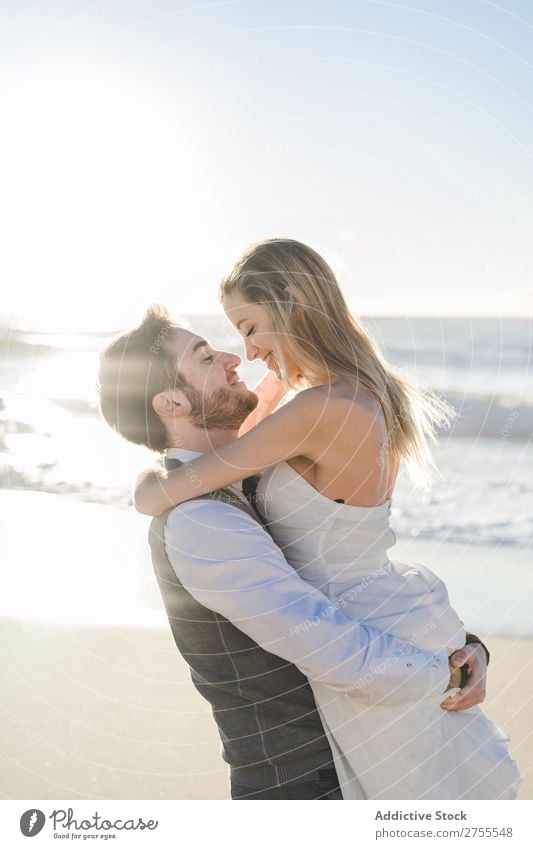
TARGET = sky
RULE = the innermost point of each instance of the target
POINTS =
(145, 143)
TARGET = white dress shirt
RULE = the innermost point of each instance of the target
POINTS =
(230, 564)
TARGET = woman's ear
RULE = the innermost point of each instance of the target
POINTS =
(170, 404)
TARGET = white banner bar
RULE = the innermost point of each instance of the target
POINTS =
(156, 823)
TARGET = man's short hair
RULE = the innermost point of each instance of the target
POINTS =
(134, 368)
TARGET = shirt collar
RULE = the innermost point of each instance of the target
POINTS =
(183, 454)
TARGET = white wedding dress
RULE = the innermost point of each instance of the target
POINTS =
(413, 750)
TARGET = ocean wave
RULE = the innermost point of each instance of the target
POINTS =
(488, 418)
(15, 346)
(492, 514)
(36, 480)
(78, 406)
(485, 418)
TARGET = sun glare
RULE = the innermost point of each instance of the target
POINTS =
(91, 176)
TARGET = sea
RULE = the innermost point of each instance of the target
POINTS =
(53, 440)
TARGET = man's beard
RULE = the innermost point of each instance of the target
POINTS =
(224, 409)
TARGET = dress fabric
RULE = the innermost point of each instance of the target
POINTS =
(392, 750)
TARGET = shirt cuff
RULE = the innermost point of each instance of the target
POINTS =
(471, 638)
(406, 677)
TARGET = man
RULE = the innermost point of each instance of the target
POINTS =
(247, 625)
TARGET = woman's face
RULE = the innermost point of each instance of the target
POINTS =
(254, 323)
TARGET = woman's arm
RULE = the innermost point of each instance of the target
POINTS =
(289, 432)
(270, 391)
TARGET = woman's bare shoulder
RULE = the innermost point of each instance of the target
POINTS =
(343, 397)
(341, 412)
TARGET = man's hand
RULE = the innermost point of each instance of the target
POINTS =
(474, 691)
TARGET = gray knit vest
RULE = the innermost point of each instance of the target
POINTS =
(263, 706)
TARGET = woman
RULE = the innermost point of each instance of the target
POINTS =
(332, 455)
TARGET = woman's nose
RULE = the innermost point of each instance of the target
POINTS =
(250, 348)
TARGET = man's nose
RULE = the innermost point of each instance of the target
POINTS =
(231, 361)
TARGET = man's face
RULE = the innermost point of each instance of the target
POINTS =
(217, 398)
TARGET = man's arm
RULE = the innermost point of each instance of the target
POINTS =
(231, 565)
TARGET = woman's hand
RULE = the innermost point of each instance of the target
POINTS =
(270, 391)
(147, 493)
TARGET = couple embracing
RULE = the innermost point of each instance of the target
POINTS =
(333, 671)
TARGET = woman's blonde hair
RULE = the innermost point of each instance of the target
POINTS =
(316, 329)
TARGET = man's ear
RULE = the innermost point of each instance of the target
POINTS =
(170, 404)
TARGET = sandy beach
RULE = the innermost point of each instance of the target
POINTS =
(110, 713)
(92, 709)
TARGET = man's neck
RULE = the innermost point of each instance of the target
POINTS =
(202, 440)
